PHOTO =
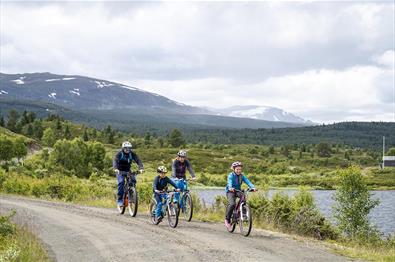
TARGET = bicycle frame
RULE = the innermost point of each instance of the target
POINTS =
(168, 196)
(128, 183)
(242, 200)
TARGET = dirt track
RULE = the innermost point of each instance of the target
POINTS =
(79, 233)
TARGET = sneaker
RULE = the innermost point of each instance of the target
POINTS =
(227, 224)
(158, 219)
(120, 203)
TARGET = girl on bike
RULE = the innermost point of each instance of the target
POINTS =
(160, 184)
(178, 170)
(235, 179)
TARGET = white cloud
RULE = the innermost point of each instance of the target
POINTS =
(311, 58)
(325, 95)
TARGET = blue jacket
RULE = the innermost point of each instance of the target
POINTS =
(235, 181)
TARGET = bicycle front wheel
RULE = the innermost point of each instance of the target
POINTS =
(172, 214)
(133, 202)
(187, 207)
(121, 209)
(245, 220)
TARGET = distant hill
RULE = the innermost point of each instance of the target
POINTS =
(263, 113)
(86, 99)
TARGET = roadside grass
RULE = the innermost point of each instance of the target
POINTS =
(17, 243)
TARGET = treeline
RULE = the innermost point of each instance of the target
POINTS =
(356, 134)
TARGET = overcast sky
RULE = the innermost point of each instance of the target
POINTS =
(323, 61)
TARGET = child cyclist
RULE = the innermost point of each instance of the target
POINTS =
(235, 179)
(160, 184)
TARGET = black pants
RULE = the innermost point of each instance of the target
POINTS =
(231, 203)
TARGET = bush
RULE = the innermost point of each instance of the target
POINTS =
(353, 204)
(16, 185)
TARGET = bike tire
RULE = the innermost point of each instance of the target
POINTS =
(152, 208)
(133, 205)
(172, 211)
(187, 207)
(121, 209)
(245, 222)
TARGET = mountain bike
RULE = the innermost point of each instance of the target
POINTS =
(169, 208)
(186, 203)
(242, 214)
(130, 196)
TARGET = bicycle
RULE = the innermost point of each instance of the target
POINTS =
(130, 195)
(186, 203)
(242, 214)
(169, 208)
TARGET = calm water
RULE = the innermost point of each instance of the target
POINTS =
(383, 215)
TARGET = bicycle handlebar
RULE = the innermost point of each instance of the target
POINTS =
(244, 191)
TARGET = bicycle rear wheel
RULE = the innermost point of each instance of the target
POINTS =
(187, 206)
(152, 208)
(245, 220)
(172, 214)
(133, 202)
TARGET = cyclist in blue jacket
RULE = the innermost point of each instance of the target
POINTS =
(160, 184)
(122, 162)
(235, 179)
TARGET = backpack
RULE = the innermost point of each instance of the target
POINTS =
(123, 156)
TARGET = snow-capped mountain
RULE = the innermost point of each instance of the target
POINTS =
(79, 92)
(262, 113)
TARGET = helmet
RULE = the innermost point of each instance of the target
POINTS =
(236, 164)
(127, 145)
(182, 153)
(161, 169)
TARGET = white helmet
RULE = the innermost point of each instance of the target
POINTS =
(182, 153)
(127, 145)
(161, 169)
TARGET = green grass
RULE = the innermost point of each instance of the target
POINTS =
(17, 243)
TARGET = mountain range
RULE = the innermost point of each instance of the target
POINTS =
(110, 102)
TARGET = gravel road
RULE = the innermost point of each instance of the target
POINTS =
(79, 233)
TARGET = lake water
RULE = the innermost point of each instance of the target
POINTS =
(383, 216)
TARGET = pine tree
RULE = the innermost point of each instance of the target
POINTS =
(175, 138)
(12, 119)
(29, 131)
(2, 123)
(37, 129)
(67, 133)
(85, 137)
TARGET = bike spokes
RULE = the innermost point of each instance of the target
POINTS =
(187, 207)
(172, 214)
(133, 202)
(245, 220)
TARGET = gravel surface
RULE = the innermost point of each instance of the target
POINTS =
(79, 233)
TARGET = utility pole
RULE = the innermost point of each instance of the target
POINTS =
(383, 150)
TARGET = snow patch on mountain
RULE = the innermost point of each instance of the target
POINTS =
(52, 80)
(19, 81)
(52, 95)
(3, 92)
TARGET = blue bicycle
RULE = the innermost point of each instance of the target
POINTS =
(186, 203)
(169, 208)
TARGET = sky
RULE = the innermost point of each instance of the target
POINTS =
(324, 61)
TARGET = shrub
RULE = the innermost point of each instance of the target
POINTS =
(353, 204)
